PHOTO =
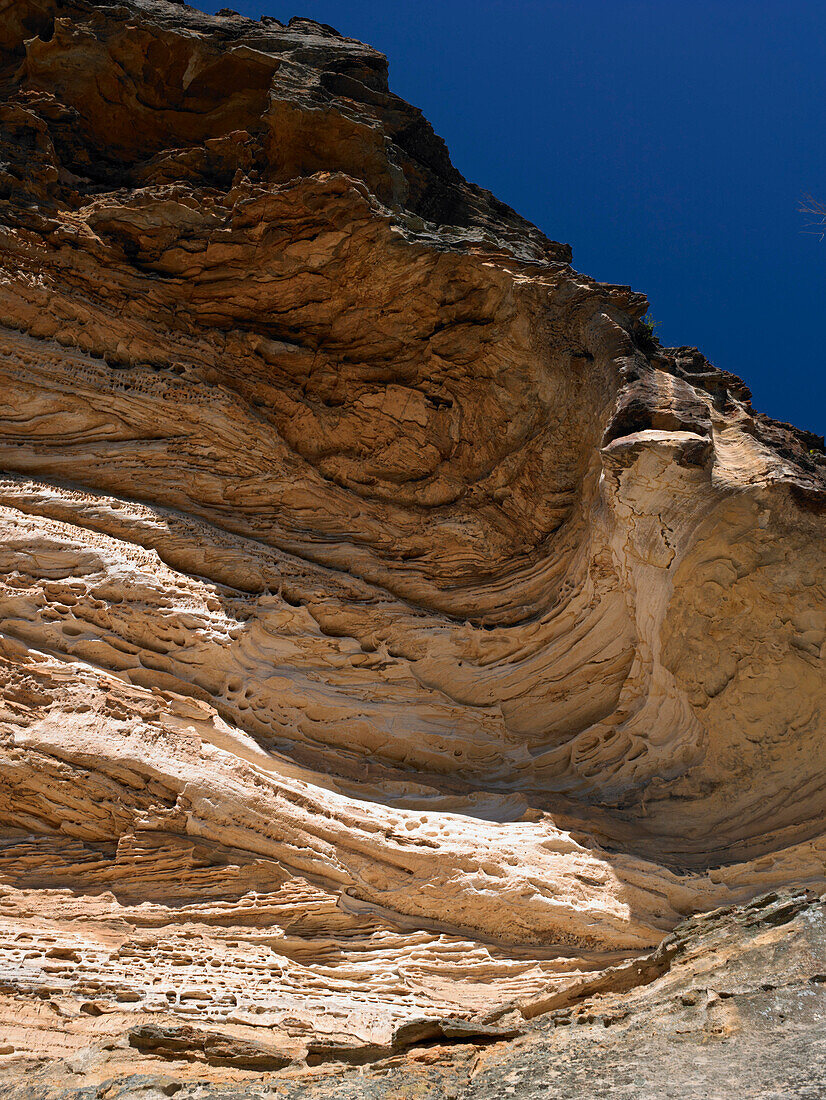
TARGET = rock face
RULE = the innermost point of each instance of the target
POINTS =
(397, 642)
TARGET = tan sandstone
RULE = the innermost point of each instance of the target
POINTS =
(391, 629)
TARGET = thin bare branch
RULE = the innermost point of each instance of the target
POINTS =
(816, 210)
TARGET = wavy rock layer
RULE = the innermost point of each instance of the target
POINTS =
(392, 631)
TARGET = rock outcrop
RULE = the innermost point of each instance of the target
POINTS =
(397, 643)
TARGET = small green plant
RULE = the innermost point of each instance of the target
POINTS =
(649, 326)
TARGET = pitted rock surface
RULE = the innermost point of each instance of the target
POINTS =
(396, 642)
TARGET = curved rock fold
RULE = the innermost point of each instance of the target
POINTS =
(394, 634)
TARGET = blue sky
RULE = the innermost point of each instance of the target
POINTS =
(670, 142)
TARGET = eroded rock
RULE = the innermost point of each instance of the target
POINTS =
(397, 642)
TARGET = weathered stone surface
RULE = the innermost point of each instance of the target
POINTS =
(397, 642)
(731, 1004)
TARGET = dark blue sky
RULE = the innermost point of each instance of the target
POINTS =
(670, 142)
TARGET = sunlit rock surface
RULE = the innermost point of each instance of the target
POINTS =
(397, 642)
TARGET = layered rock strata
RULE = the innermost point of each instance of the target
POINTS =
(395, 638)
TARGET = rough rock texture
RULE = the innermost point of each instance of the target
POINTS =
(731, 1004)
(397, 642)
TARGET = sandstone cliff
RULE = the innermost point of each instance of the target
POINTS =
(396, 642)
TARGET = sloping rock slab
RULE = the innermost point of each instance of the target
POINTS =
(738, 1014)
